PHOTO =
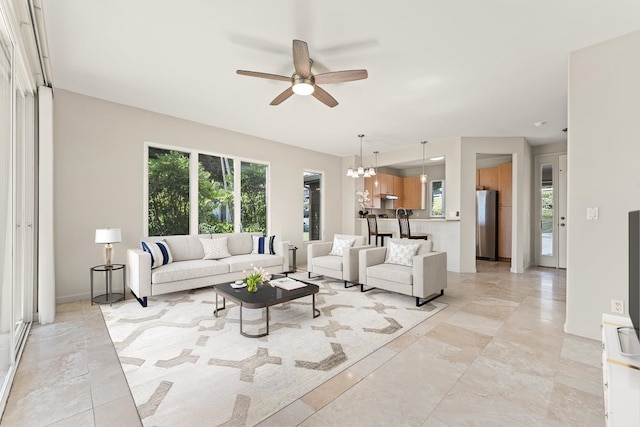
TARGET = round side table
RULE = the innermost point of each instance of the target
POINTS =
(109, 297)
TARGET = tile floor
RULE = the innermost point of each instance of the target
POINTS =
(497, 356)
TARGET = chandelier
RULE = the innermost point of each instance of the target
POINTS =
(361, 171)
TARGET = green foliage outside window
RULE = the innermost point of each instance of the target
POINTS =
(215, 194)
(547, 210)
(168, 201)
(168, 192)
(254, 197)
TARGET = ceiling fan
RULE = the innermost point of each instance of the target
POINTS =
(303, 82)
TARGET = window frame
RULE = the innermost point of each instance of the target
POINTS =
(431, 214)
(193, 185)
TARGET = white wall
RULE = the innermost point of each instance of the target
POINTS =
(98, 179)
(604, 137)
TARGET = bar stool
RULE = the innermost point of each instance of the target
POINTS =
(405, 230)
(372, 222)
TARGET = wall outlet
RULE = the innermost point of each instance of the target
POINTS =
(617, 306)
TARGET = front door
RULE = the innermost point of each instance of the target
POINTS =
(551, 210)
(562, 211)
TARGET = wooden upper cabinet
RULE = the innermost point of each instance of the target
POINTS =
(504, 184)
(398, 190)
(488, 178)
(374, 191)
(384, 183)
(412, 194)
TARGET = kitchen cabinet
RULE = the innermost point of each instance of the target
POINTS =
(374, 192)
(384, 183)
(488, 179)
(504, 184)
(398, 190)
(504, 231)
(412, 194)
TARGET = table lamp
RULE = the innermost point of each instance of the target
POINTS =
(108, 236)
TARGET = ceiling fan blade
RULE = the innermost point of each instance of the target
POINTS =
(341, 76)
(282, 97)
(324, 97)
(301, 60)
(263, 75)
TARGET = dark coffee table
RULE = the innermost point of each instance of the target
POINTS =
(265, 297)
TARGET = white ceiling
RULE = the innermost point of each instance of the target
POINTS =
(437, 69)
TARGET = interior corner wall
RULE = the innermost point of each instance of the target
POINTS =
(603, 157)
(98, 179)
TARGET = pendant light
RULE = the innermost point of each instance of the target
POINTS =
(423, 177)
(375, 183)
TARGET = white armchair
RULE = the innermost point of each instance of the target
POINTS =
(323, 258)
(422, 275)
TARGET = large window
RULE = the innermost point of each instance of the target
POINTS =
(178, 180)
(254, 197)
(215, 194)
(168, 180)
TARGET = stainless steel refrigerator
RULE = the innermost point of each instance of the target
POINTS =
(487, 224)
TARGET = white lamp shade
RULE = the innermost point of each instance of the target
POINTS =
(108, 235)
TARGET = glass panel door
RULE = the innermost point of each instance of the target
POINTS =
(24, 179)
(6, 209)
(546, 208)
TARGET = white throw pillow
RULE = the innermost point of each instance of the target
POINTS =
(339, 246)
(159, 251)
(215, 248)
(401, 254)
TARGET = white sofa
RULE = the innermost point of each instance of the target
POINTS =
(345, 267)
(189, 270)
(424, 280)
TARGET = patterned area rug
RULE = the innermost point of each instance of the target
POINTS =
(186, 367)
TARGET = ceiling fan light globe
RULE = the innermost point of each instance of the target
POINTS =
(302, 85)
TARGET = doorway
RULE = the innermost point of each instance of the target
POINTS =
(494, 181)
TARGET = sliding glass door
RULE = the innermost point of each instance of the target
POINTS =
(17, 211)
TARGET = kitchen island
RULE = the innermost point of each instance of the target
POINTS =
(445, 234)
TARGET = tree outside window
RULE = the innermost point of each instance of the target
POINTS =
(253, 211)
(168, 183)
(169, 188)
(215, 194)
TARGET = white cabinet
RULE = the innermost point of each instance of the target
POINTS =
(621, 376)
